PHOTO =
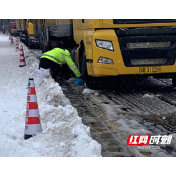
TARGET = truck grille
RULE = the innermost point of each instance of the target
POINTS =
(140, 21)
(142, 62)
(147, 46)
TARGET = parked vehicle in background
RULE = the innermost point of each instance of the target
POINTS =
(13, 29)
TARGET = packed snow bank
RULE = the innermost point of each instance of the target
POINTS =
(63, 132)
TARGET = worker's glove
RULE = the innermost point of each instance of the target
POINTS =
(78, 81)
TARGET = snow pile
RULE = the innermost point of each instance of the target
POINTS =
(148, 96)
(90, 91)
(63, 132)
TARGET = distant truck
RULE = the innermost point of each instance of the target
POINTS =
(13, 29)
(25, 29)
(21, 28)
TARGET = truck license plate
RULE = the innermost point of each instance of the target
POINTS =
(147, 70)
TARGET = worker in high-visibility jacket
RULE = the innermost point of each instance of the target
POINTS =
(55, 59)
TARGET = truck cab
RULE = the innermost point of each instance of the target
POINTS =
(115, 47)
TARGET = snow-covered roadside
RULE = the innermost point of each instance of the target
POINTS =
(63, 132)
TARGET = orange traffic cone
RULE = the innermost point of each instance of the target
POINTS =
(9, 37)
(32, 124)
(11, 40)
(16, 45)
(22, 59)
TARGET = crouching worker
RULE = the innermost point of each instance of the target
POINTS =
(54, 61)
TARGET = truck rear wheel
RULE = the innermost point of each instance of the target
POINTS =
(174, 80)
(29, 43)
(20, 36)
(26, 40)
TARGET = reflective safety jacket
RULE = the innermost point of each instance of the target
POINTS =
(61, 57)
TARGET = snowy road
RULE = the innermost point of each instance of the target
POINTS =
(113, 116)
(63, 132)
(143, 106)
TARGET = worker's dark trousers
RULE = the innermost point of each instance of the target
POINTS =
(56, 69)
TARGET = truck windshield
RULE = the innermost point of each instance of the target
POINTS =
(139, 21)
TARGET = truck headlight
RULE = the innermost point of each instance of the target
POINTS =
(104, 44)
(105, 60)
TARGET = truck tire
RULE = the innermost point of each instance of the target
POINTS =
(20, 37)
(174, 80)
(29, 43)
(43, 48)
(40, 43)
(26, 40)
(89, 81)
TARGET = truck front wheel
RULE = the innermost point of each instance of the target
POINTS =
(89, 81)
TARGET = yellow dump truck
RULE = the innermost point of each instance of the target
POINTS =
(26, 30)
(116, 47)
